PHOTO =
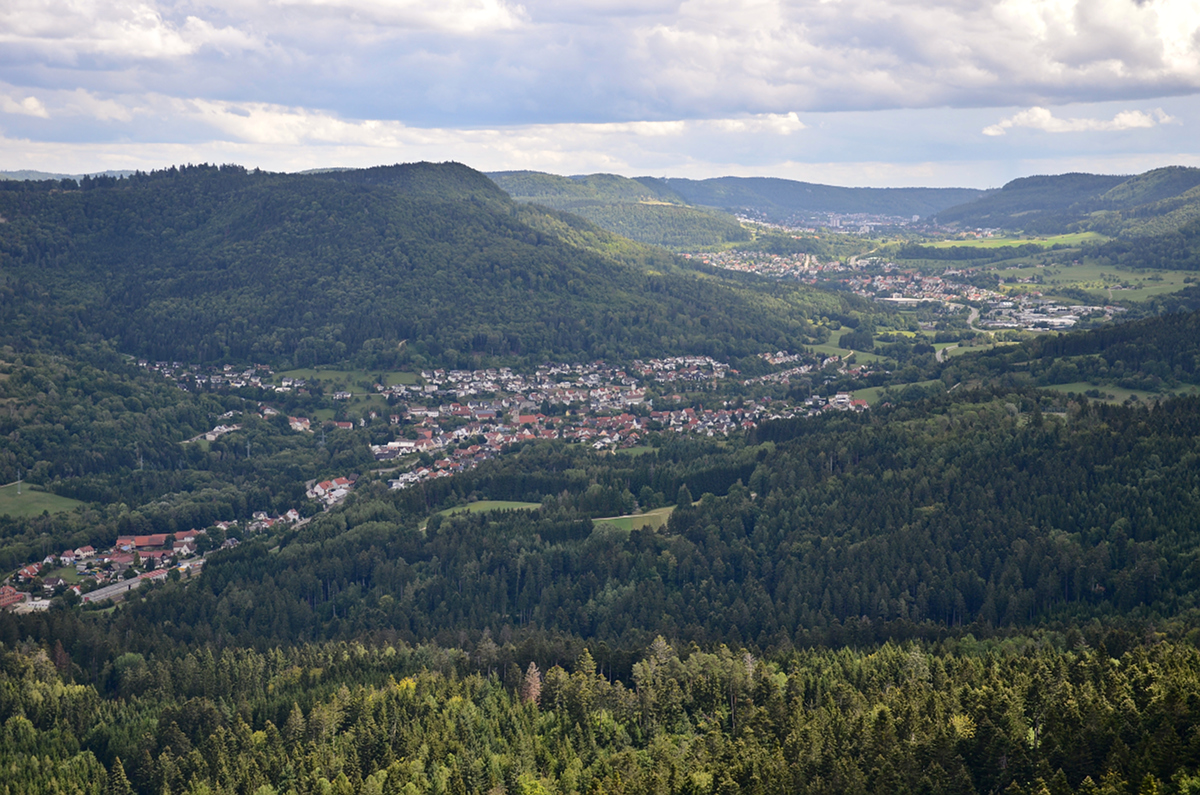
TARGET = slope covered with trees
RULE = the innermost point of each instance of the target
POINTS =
(987, 589)
(779, 200)
(421, 263)
(1125, 206)
(964, 595)
(638, 210)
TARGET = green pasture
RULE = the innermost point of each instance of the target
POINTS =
(832, 348)
(1073, 239)
(872, 394)
(1106, 282)
(654, 520)
(1116, 394)
(32, 501)
(636, 451)
(962, 349)
(484, 506)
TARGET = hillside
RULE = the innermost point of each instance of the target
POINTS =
(852, 597)
(680, 577)
(643, 212)
(1113, 205)
(430, 262)
(783, 200)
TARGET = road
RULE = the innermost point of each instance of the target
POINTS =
(941, 354)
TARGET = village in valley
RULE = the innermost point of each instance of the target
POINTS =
(444, 423)
(438, 423)
(1021, 305)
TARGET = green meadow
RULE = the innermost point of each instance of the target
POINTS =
(833, 348)
(1073, 239)
(484, 506)
(1107, 283)
(1116, 394)
(655, 520)
(32, 501)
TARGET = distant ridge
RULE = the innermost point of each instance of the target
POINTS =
(681, 213)
(644, 212)
(1157, 201)
(26, 174)
(781, 200)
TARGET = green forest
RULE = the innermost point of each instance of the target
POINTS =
(977, 585)
(983, 592)
(1153, 217)
(420, 264)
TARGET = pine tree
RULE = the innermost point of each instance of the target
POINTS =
(118, 784)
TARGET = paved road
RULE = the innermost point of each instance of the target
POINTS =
(941, 354)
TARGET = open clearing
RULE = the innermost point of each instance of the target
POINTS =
(1107, 283)
(833, 348)
(872, 394)
(483, 506)
(1116, 394)
(636, 451)
(655, 520)
(1073, 239)
(32, 501)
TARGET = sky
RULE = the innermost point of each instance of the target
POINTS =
(883, 93)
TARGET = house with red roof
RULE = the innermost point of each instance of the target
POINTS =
(10, 596)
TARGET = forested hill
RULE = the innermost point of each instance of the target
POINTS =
(1127, 206)
(782, 199)
(639, 210)
(968, 591)
(417, 263)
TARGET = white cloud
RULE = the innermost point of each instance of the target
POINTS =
(453, 16)
(1042, 119)
(65, 30)
(500, 61)
(263, 123)
(70, 105)
(27, 106)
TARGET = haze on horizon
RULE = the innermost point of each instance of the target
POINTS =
(848, 92)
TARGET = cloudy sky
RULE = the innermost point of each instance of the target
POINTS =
(852, 92)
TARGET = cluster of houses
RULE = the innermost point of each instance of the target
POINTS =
(103, 574)
(326, 492)
(894, 283)
(598, 383)
(683, 369)
(456, 452)
(801, 267)
(199, 378)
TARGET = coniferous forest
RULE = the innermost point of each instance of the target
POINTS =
(975, 586)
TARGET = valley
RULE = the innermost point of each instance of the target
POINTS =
(425, 489)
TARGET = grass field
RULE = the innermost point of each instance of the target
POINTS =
(66, 573)
(872, 393)
(483, 506)
(1116, 394)
(655, 520)
(32, 501)
(1045, 242)
(832, 348)
(1103, 281)
(636, 451)
(961, 349)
